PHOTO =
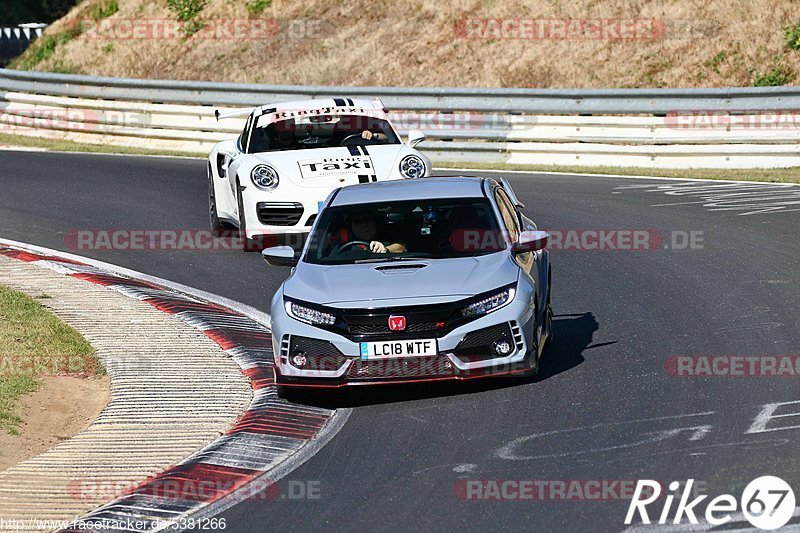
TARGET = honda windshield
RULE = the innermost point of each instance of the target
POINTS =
(410, 229)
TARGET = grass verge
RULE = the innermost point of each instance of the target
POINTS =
(33, 341)
(772, 175)
(71, 146)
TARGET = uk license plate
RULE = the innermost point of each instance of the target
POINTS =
(399, 348)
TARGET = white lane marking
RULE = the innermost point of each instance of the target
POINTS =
(747, 445)
(767, 413)
(651, 437)
(737, 519)
(465, 468)
(508, 451)
(749, 199)
(14, 148)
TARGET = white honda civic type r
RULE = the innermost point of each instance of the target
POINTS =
(270, 181)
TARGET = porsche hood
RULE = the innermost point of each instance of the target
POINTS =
(348, 164)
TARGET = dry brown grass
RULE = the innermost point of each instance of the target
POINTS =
(413, 43)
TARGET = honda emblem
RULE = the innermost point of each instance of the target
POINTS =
(397, 323)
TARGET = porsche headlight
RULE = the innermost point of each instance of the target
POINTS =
(412, 166)
(487, 305)
(309, 316)
(264, 177)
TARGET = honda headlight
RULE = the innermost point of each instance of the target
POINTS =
(264, 177)
(487, 305)
(309, 316)
(412, 166)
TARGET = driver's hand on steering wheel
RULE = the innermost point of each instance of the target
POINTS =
(368, 135)
(377, 247)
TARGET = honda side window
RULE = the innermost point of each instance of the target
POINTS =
(509, 214)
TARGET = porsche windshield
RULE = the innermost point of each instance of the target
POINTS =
(321, 131)
(422, 229)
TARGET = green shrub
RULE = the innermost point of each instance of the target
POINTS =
(59, 67)
(188, 12)
(104, 9)
(42, 49)
(792, 33)
(779, 75)
(715, 61)
(256, 7)
(70, 33)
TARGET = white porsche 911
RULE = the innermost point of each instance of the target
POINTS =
(271, 180)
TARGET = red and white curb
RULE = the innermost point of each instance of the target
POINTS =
(271, 438)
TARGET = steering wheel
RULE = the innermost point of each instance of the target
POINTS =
(350, 138)
(363, 244)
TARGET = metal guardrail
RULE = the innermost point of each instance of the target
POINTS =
(566, 101)
(581, 127)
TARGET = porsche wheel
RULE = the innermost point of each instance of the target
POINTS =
(248, 245)
(533, 352)
(548, 314)
(216, 225)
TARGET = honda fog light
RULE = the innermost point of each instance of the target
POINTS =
(299, 359)
(502, 347)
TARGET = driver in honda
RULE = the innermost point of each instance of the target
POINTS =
(364, 227)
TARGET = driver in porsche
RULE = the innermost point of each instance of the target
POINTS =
(378, 137)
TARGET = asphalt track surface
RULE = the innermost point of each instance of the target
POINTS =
(604, 407)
